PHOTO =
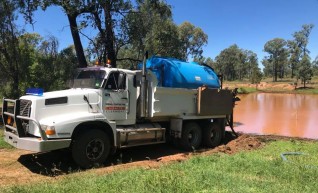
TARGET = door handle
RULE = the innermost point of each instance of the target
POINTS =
(125, 98)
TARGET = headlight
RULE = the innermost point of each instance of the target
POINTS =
(49, 130)
(10, 121)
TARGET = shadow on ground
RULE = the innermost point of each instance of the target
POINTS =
(60, 162)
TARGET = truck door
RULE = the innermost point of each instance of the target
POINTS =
(116, 96)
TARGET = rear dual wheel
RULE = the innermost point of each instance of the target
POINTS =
(212, 135)
(191, 137)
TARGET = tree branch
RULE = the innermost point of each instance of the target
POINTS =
(130, 59)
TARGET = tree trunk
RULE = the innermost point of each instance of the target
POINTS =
(15, 86)
(275, 72)
(110, 49)
(77, 41)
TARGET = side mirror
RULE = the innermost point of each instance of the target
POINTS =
(137, 79)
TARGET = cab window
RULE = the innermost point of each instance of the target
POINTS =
(116, 81)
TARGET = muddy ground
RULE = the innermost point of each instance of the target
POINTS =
(18, 166)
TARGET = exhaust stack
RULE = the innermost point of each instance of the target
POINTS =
(143, 88)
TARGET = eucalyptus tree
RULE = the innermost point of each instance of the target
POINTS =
(150, 27)
(235, 63)
(298, 47)
(122, 26)
(278, 55)
(205, 61)
(109, 18)
(267, 62)
(13, 62)
(295, 53)
(315, 66)
(192, 40)
(72, 8)
(305, 71)
(256, 75)
(252, 63)
(302, 38)
(103, 15)
(43, 69)
(225, 62)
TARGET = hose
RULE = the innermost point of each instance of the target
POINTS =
(230, 123)
(283, 156)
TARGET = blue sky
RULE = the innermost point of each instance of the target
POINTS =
(247, 23)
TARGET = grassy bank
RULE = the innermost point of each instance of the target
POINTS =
(256, 171)
(281, 86)
(247, 90)
(3, 144)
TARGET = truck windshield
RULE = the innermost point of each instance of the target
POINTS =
(89, 79)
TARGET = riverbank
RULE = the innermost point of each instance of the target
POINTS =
(287, 86)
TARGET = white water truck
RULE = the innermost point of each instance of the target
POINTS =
(110, 108)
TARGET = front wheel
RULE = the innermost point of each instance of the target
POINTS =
(90, 148)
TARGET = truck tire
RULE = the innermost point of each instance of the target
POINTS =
(212, 135)
(191, 136)
(90, 148)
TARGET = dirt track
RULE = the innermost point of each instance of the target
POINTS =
(17, 166)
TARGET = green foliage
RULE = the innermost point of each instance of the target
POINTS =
(278, 55)
(26, 59)
(52, 70)
(246, 90)
(294, 58)
(301, 38)
(299, 59)
(285, 56)
(257, 171)
(10, 56)
(256, 76)
(305, 72)
(125, 32)
(298, 47)
(192, 39)
(315, 66)
(306, 91)
(235, 63)
(151, 27)
(202, 60)
(3, 144)
(40, 65)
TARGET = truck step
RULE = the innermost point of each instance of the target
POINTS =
(140, 135)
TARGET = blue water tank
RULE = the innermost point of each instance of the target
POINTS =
(175, 73)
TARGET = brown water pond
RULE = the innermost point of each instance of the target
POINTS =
(293, 115)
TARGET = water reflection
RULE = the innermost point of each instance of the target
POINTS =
(292, 115)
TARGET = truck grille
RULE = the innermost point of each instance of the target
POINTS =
(25, 107)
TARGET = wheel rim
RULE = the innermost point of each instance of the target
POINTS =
(95, 149)
(192, 137)
(212, 134)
